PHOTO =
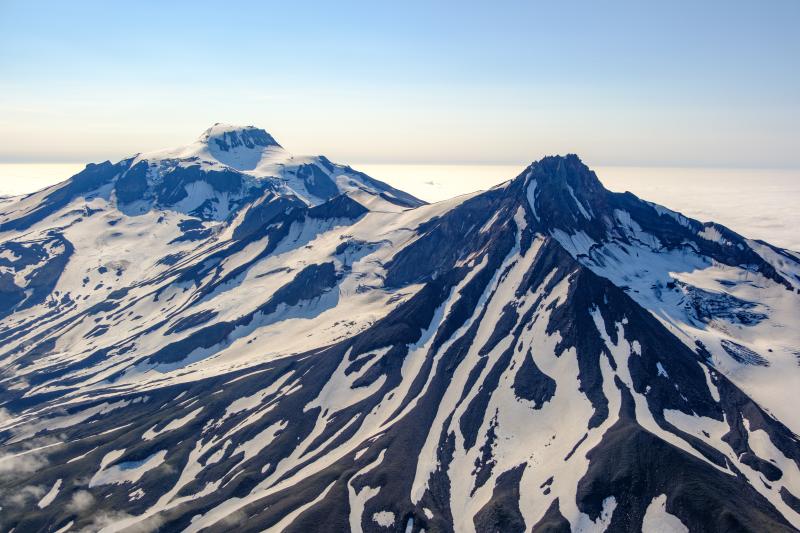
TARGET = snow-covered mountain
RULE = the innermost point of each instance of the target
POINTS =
(224, 336)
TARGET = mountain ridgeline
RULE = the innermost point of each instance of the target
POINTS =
(226, 336)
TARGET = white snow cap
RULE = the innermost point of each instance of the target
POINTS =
(229, 136)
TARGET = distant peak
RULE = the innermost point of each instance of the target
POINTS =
(226, 137)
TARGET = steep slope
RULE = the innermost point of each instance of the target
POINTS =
(543, 356)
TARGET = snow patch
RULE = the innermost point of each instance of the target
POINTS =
(48, 498)
(658, 520)
(126, 472)
(383, 518)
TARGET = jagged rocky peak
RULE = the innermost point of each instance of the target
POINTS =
(563, 192)
(562, 170)
(227, 137)
(570, 203)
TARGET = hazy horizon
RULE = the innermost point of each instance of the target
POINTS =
(758, 203)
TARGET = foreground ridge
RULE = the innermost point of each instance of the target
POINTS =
(226, 336)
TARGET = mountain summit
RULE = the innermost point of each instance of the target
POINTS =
(225, 170)
(228, 137)
(226, 336)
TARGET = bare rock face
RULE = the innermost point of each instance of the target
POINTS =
(222, 337)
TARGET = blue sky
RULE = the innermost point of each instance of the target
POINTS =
(620, 83)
